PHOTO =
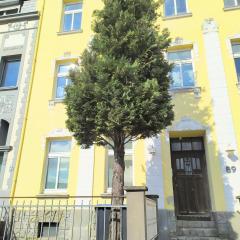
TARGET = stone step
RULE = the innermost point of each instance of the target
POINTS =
(197, 232)
(196, 224)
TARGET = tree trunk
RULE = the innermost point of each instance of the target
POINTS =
(117, 192)
(118, 175)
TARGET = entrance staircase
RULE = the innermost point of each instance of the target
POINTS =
(196, 230)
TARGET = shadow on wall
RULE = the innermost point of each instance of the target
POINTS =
(189, 107)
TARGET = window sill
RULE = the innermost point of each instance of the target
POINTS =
(177, 16)
(231, 8)
(8, 88)
(53, 195)
(53, 102)
(70, 32)
(5, 148)
(195, 90)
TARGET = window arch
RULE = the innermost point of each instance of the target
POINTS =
(4, 126)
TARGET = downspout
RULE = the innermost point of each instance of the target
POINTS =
(28, 103)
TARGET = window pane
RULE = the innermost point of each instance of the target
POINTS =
(186, 146)
(67, 26)
(188, 77)
(237, 64)
(197, 145)
(180, 55)
(110, 170)
(61, 84)
(64, 69)
(229, 3)
(63, 173)
(236, 49)
(181, 6)
(10, 73)
(128, 180)
(169, 8)
(128, 146)
(238, 2)
(60, 146)
(76, 6)
(77, 21)
(176, 76)
(176, 146)
(51, 173)
(1, 160)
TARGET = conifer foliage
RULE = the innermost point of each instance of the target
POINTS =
(120, 92)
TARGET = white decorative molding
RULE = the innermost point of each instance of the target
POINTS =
(178, 41)
(209, 25)
(222, 114)
(154, 169)
(187, 124)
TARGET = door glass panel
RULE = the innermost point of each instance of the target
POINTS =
(186, 146)
(188, 166)
(176, 146)
(197, 146)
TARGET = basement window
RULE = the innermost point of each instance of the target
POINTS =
(47, 229)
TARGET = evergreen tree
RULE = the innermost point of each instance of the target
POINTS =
(120, 91)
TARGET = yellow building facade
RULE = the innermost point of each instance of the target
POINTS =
(193, 165)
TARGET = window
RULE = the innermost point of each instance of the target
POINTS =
(47, 229)
(231, 3)
(182, 73)
(128, 174)
(58, 165)
(72, 17)
(1, 160)
(62, 80)
(236, 55)
(10, 71)
(175, 7)
(4, 125)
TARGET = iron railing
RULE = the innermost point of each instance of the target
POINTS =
(80, 218)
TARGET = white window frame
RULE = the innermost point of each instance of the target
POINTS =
(236, 55)
(182, 62)
(72, 12)
(110, 152)
(235, 4)
(59, 75)
(175, 9)
(57, 155)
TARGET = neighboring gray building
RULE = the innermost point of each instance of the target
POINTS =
(18, 32)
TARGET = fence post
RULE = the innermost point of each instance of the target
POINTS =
(136, 213)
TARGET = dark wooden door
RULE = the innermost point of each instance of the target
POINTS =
(190, 183)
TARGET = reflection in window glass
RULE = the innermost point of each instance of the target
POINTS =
(237, 65)
(72, 19)
(175, 7)
(231, 3)
(182, 74)
(181, 6)
(58, 165)
(10, 72)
